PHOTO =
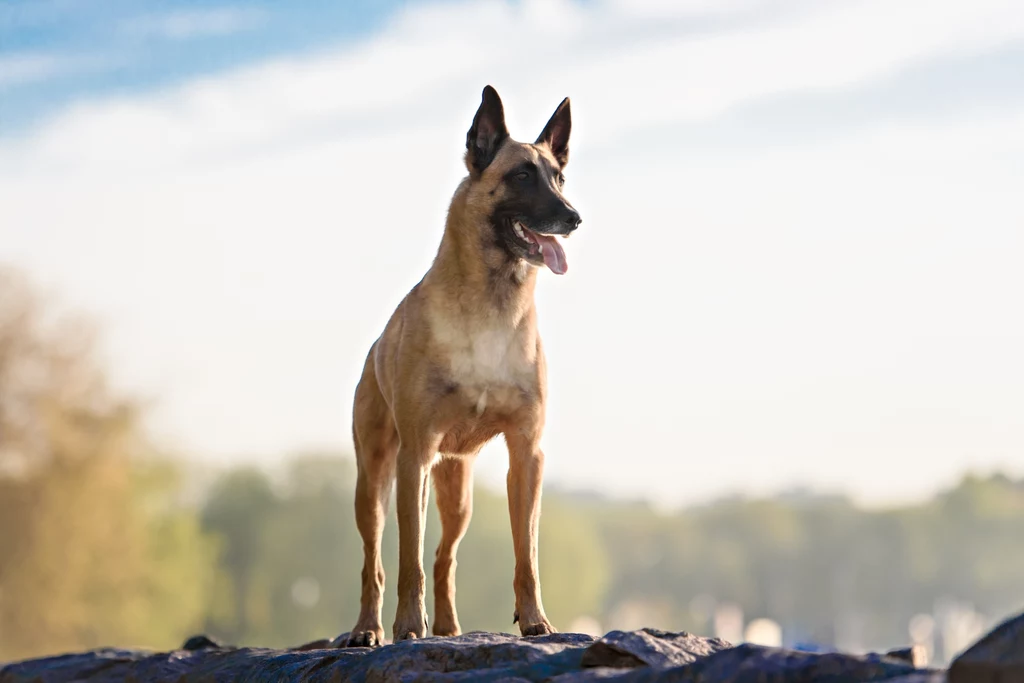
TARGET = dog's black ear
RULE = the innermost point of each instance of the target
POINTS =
(556, 133)
(487, 132)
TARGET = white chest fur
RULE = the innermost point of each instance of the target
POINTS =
(485, 356)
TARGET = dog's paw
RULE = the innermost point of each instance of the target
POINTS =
(447, 631)
(408, 635)
(541, 629)
(368, 638)
(410, 627)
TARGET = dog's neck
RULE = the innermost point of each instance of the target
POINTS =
(475, 270)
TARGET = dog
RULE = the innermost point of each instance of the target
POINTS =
(459, 362)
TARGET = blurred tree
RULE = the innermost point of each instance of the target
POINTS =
(295, 557)
(313, 555)
(85, 559)
(237, 512)
(569, 539)
(809, 563)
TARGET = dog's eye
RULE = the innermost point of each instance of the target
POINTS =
(523, 175)
(560, 179)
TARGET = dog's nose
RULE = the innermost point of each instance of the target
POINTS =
(573, 220)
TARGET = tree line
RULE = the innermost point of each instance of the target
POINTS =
(105, 541)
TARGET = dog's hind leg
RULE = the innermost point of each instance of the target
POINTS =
(376, 444)
(453, 482)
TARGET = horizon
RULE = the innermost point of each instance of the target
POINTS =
(819, 293)
(795, 495)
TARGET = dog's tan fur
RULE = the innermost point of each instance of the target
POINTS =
(459, 362)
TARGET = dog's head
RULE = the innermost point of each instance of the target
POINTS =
(520, 185)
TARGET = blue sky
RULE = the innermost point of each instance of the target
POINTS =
(70, 49)
(57, 51)
(802, 238)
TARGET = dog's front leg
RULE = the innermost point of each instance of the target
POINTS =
(453, 482)
(413, 472)
(526, 469)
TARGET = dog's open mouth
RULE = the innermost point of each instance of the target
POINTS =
(544, 246)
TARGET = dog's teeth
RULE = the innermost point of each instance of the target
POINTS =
(518, 227)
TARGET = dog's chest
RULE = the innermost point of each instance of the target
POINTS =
(486, 357)
(494, 360)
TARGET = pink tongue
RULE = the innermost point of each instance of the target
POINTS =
(554, 257)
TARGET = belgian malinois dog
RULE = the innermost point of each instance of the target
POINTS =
(459, 362)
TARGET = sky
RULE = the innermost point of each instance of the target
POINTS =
(800, 261)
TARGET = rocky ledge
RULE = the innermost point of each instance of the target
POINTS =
(643, 656)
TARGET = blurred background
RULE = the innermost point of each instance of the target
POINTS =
(787, 387)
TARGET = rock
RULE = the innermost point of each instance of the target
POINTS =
(757, 664)
(86, 666)
(915, 655)
(930, 676)
(342, 640)
(645, 656)
(649, 647)
(478, 657)
(200, 642)
(997, 657)
(471, 657)
(322, 644)
(592, 675)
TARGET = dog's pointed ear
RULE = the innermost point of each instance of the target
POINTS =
(556, 133)
(487, 132)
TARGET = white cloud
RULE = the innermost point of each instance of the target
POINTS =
(187, 24)
(453, 48)
(732, 318)
(27, 68)
(30, 67)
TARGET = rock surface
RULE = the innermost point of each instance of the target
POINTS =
(998, 657)
(641, 656)
(649, 647)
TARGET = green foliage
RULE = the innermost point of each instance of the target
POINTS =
(569, 540)
(239, 507)
(92, 549)
(801, 563)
